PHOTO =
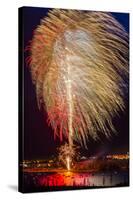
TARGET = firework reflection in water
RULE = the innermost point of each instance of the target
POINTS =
(69, 178)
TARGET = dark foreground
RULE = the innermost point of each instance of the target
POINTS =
(45, 181)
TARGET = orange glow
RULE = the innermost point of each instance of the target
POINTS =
(68, 163)
(118, 156)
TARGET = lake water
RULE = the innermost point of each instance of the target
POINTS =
(41, 180)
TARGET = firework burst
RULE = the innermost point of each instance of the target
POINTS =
(68, 154)
(79, 65)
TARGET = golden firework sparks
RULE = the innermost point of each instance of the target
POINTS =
(79, 64)
(68, 163)
(68, 154)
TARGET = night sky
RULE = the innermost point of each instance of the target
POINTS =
(38, 137)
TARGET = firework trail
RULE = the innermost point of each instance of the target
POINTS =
(68, 154)
(79, 65)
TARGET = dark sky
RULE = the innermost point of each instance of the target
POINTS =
(38, 137)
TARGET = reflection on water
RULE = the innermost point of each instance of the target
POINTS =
(75, 179)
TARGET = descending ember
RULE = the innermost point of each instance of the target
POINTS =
(79, 65)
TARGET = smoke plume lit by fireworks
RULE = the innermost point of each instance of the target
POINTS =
(79, 65)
